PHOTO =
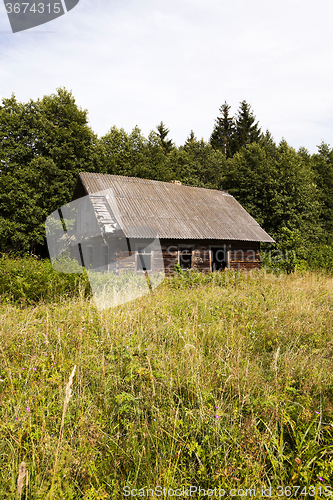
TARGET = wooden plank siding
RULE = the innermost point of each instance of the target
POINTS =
(240, 254)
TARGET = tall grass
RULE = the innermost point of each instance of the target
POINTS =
(29, 280)
(215, 382)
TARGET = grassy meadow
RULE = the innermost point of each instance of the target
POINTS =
(220, 381)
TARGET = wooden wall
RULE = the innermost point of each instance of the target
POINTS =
(241, 254)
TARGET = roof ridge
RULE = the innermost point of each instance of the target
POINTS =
(147, 181)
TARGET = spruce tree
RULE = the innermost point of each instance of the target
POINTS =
(222, 137)
(246, 128)
(190, 140)
(163, 132)
(322, 165)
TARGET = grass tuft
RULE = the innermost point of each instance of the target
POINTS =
(223, 381)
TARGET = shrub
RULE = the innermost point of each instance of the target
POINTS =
(28, 280)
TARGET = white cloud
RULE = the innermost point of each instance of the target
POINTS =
(143, 61)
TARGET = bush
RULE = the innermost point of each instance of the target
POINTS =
(314, 258)
(321, 257)
(28, 280)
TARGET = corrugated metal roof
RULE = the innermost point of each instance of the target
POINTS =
(175, 211)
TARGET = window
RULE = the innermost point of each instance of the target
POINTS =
(185, 258)
(143, 259)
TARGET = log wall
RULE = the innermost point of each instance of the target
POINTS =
(240, 254)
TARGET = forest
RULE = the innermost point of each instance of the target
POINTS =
(47, 142)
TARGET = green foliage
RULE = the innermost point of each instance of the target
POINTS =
(282, 189)
(132, 155)
(44, 144)
(222, 137)
(278, 190)
(29, 280)
(247, 129)
(167, 144)
(251, 177)
(231, 134)
(322, 164)
(320, 257)
(197, 164)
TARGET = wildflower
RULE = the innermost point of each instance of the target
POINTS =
(217, 416)
(317, 412)
(320, 478)
(217, 407)
(27, 408)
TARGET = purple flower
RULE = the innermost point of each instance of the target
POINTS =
(317, 412)
(217, 407)
(320, 478)
(217, 416)
(27, 408)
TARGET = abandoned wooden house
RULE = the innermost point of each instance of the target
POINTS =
(197, 227)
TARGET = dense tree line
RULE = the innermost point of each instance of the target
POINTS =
(45, 143)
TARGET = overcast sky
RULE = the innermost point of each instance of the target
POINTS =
(137, 62)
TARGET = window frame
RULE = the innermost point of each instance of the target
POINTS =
(137, 253)
(180, 249)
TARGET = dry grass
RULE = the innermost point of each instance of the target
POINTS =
(225, 384)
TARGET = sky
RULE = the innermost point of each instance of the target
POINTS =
(140, 62)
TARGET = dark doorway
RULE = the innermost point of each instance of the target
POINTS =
(185, 258)
(219, 259)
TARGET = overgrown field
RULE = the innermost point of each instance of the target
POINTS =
(223, 382)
